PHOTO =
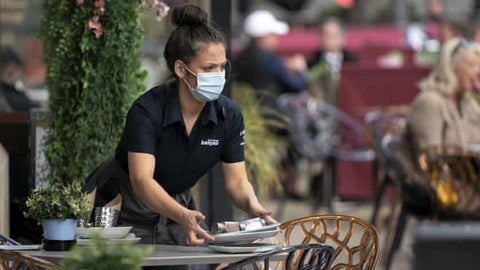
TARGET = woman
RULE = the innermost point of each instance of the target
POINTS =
(445, 112)
(174, 134)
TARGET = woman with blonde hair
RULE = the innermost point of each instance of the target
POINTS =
(445, 111)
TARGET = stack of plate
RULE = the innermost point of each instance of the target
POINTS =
(113, 234)
(241, 241)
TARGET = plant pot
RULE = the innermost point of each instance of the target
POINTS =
(54, 229)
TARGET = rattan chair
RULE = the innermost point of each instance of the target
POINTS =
(301, 257)
(355, 241)
(14, 260)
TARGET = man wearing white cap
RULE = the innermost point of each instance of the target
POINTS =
(262, 68)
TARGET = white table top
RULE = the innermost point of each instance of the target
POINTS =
(165, 255)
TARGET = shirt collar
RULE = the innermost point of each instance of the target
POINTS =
(209, 113)
(173, 112)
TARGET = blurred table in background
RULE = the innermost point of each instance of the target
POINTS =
(361, 90)
(447, 245)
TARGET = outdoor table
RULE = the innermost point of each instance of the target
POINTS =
(165, 255)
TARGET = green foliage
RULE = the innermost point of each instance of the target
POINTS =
(385, 14)
(104, 255)
(334, 11)
(91, 82)
(57, 202)
(263, 149)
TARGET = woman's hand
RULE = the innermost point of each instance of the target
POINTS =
(256, 210)
(195, 234)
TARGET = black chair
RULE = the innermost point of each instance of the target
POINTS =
(322, 132)
(302, 257)
(381, 124)
(418, 198)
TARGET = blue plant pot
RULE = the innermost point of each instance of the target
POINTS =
(54, 229)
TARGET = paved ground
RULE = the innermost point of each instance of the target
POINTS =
(295, 209)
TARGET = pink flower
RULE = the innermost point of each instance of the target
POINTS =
(162, 10)
(96, 26)
(79, 2)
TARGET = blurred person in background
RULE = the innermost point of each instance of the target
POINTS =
(261, 67)
(435, 10)
(445, 112)
(451, 29)
(332, 54)
(332, 47)
(11, 72)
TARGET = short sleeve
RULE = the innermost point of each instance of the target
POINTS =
(140, 130)
(234, 150)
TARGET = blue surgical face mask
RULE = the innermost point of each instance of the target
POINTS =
(209, 85)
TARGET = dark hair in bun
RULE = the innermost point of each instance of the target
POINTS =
(193, 30)
(189, 15)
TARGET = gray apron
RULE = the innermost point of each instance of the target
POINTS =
(110, 180)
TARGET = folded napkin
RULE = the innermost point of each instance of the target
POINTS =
(235, 226)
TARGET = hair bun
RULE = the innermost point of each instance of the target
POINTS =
(189, 15)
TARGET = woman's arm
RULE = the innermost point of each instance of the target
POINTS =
(241, 191)
(141, 167)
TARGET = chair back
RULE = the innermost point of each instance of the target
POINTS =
(417, 195)
(15, 260)
(354, 240)
(381, 124)
(320, 130)
(301, 257)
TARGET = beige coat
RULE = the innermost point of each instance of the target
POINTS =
(434, 120)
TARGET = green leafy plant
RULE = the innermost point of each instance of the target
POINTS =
(57, 202)
(263, 149)
(93, 51)
(104, 255)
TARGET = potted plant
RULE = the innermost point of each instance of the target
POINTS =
(58, 208)
(102, 255)
(263, 149)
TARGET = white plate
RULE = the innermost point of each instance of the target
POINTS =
(266, 228)
(86, 241)
(243, 236)
(244, 248)
(108, 232)
(20, 247)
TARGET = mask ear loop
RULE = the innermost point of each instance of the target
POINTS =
(185, 81)
(191, 72)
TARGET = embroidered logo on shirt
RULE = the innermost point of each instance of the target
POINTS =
(210, 142)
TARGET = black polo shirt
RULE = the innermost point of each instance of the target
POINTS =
(155, 126)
